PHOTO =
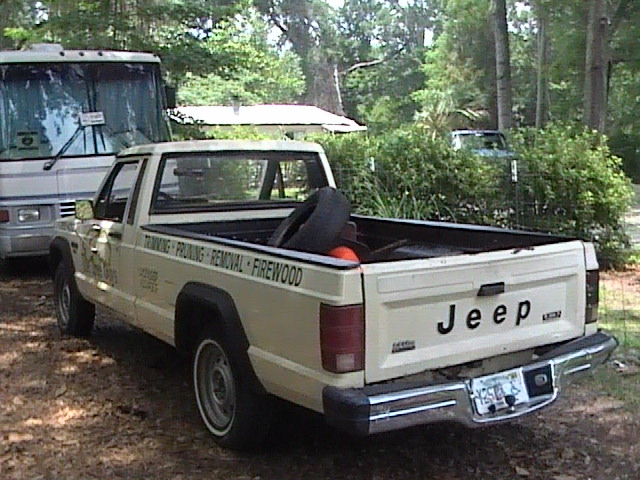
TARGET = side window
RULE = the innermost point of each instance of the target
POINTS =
(136, 194)
(113, 198)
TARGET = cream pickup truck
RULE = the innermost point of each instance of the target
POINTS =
(243, 255)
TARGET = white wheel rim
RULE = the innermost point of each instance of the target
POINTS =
(64, 305)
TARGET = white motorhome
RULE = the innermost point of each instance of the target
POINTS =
(64, 114)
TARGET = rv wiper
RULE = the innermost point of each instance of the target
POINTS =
(64, 148)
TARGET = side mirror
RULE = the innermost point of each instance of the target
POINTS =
(84, 209)
(170, 95)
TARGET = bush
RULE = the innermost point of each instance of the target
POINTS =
(407, 173)
(572, 184)
(568, 182)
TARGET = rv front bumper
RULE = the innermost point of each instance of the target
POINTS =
(26, 243)
(385, 407)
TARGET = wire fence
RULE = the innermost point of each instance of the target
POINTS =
(620, 306)
(518, 199)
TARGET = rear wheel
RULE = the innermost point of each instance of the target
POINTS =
(74, 314)
(237, 417)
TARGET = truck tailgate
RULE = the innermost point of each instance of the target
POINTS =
(432, 313)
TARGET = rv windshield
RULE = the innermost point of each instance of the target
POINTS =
(42, 107)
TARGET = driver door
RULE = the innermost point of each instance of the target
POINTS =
(107, 241)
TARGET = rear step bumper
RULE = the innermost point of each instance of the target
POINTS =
(380, 408)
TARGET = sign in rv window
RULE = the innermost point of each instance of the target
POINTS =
(214, 179)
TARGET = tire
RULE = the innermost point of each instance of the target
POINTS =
(316, 224)
(236, 417)
(74, 314)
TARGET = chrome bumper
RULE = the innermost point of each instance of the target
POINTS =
(380, 408)
(26, 244)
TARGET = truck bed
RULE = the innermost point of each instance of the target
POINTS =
(462, 293)
(379, 240)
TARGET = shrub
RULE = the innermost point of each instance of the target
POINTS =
(572, 184)
(408, 173)
(568, 182)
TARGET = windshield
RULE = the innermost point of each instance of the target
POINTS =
(209, 181)
(482, 140)
(41, 107)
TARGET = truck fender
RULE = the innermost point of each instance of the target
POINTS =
(196, 298)
(59, 251)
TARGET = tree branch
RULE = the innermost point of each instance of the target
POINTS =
(619, 15)
(278, 23)
(370, 63)
(359, 65)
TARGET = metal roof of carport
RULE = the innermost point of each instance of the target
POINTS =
(265, 115)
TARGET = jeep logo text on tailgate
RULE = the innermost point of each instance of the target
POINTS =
(474, 317)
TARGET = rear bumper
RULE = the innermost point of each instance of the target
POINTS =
(381, 408)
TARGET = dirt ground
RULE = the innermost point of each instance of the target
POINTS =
(119, 406)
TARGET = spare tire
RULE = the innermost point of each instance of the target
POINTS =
(316, 224)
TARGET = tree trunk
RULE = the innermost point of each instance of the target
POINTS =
(322, 90)
(4, 21)
(7, 11)
(542, 87)
(595, 88)
(503, 65)
(317, 65)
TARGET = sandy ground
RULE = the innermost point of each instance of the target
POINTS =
(119, 406)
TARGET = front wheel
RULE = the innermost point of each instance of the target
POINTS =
(237, 418)
(74, 314)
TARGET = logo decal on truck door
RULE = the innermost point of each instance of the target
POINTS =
(474, 317)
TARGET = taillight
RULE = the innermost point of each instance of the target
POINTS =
(342, 338)
(593, 296)
(4, 216)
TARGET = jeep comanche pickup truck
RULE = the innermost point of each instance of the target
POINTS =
(243, 255)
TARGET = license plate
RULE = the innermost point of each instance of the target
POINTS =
(494, 390)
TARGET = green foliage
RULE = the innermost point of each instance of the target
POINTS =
(177, 30)
(381, 49)
(416, 176)
(351, 163)
(203, 132)
(439, 114)
(238, 133)
(461, 64)
(569, 183)
(261, 74)
(572, 184)
(625, 127)
(450, 185)
(382, 114)
(619, 312)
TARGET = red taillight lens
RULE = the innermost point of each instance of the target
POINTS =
(342, 338)
(593, 296)
(4, 216)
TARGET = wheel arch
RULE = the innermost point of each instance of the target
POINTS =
(199, 306)
(59, 251)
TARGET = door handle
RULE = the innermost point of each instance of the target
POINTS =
(491, 289)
